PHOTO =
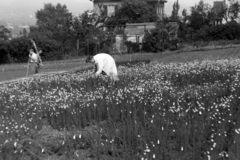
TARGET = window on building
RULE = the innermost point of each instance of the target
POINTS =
(159, 10)
(116, 8)
(111, 10)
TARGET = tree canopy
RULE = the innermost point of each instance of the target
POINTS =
(53, 22)
(4, 32)
(200, 15)
(175, 10)
(133, 11)
(231, 13)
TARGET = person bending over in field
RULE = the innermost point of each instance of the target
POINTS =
(104, 64)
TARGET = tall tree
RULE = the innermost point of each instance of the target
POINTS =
(25, 32)
(185, 15)
(183, 25)
(176, 7)
(232, 13)
(85, 29)
(228, 13)
(52, 17)
(54, 21)
(200, 15)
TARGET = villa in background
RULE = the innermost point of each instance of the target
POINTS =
(133, 32)
(108, 7)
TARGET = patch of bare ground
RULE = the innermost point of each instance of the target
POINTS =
(52, 144)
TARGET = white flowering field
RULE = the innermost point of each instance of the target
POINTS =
(175, 111)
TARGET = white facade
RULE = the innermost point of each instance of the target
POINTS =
(108, 7)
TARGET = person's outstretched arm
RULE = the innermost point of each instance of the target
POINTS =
(40, 60)
(30, 56)
(100, 68)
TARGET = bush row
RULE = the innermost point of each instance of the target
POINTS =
(228, 31)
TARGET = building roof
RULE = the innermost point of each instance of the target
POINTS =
(138, 28)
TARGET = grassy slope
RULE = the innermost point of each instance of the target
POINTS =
(13, 71)
(229, 53)
(9, 72)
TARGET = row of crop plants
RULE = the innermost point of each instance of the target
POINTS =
(156, 111)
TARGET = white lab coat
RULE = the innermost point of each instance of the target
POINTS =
(106, 63)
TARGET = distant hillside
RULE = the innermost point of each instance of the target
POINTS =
(15, 13)
(15, 18)
(16, 27)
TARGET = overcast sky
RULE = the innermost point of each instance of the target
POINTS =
(184, 4)
(18, 9)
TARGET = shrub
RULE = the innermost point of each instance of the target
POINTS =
(4, 55)
(19, 49)
(52, 56)
(157, 40)
(50, 49)
(132, 47)
(228, 31)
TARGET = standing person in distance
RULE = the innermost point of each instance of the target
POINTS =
(104, 64)
(35, 61)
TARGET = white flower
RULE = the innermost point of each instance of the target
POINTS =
(15, 144)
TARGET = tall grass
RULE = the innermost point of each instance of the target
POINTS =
(155, 111)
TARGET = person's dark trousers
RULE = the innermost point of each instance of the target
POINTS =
(34, 67)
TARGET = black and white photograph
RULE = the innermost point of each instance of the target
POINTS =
(119, 79)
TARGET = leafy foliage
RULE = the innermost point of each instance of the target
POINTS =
(199, 24)
(88, 31)
(4, 33)
(4, 54)
(53, 18)
(133, 11)
(200, 15)
(231, 13)
(19, 49)
(157, 40)
(229, 31)
(53, 22)
(60, 34)
(175, 10)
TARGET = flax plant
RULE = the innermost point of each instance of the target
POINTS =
(156, 111)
